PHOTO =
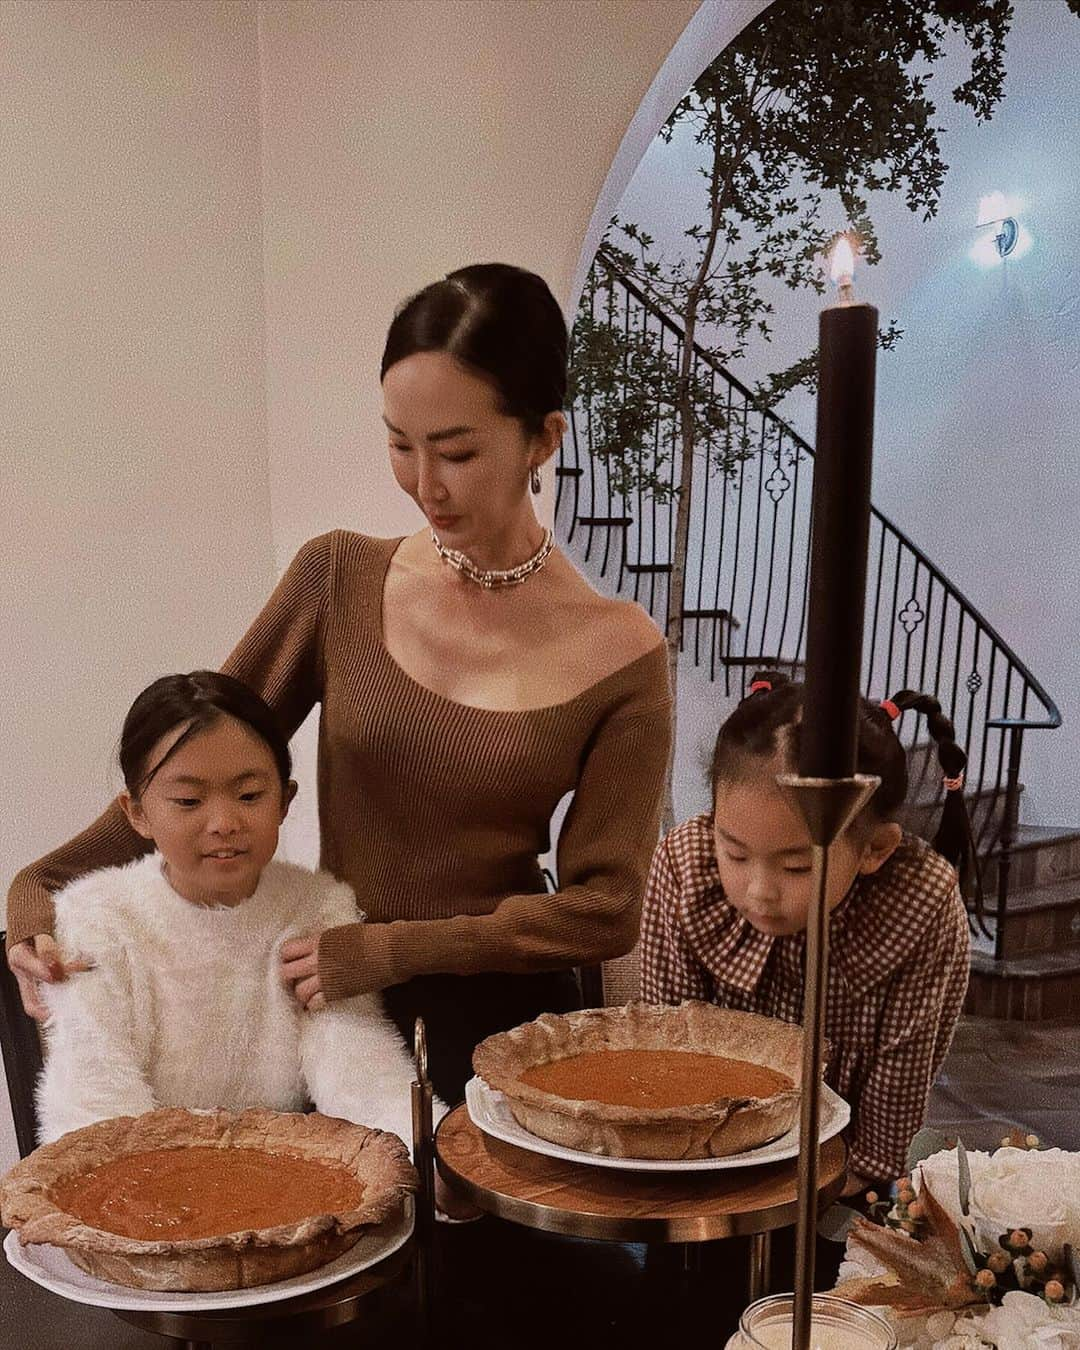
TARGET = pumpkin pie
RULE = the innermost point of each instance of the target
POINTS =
(187, 1200)
(649, 1081)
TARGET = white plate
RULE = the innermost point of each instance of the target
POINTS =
(51, 1268)
(489, 1111)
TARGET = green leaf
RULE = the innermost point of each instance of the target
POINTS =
(925, 1144)
(1072, 1264)
(963, 1176)
(970, 1254)
(837, 1222)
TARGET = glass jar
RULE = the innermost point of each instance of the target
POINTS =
(837, 1325)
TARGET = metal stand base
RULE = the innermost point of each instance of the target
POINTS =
(760, 1265)
(828, 806)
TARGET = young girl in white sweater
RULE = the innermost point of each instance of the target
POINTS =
(183, 1003)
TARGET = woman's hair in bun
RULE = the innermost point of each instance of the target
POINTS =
(501, 321)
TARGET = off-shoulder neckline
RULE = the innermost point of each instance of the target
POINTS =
(389, 548)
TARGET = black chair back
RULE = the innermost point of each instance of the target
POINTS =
(21, 1049)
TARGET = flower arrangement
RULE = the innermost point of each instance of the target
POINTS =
(972, 1249)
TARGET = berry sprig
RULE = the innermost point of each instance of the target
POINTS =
(903, 1210)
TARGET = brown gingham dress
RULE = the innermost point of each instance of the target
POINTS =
(898, 971)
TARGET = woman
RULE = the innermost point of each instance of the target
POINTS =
(469, 678)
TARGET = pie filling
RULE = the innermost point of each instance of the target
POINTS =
(654, 1078)
(178, 1193)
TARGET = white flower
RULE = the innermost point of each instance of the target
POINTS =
(1036, 1190)
(941, 1172)
(1024, 1322)
(1014, 1188)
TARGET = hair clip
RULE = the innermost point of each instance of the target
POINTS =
(954, 784)
(765, 685)
(890, 707)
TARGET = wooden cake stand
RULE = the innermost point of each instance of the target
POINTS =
(577, 1200)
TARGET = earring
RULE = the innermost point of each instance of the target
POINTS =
(534, 478)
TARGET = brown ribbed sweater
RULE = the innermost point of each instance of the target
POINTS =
(434, 811)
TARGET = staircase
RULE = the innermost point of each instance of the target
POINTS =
(744, 606)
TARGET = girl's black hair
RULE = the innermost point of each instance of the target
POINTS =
(199, 699)
(502, 321)
(767, 723)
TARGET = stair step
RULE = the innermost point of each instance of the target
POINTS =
(606, 522)
(984, 794)
(1031, 837)
(986, 807)
(1028, 988)
(1039, 919)
(1054, 895)
(1037, 966)
(1041, 855)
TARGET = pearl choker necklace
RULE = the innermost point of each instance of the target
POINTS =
(494, 579)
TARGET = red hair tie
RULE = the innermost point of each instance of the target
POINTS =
(954, 784)
(761, 684)
(891, 708)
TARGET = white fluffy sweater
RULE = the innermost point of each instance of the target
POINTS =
(185, 1006)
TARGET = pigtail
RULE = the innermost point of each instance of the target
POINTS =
(954, 840)
(766, 682)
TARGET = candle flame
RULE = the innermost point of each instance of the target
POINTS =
(843, 262)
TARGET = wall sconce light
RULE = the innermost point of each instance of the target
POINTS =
(1007, 236)
(1009, 239)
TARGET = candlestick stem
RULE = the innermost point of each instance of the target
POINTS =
(827, 805)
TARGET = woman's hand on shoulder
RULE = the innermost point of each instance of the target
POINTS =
(300, 971)
(35, 962)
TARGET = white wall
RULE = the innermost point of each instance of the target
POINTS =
(136, 529)
(400, 141)
(978, 407)
(136, 533)
(211, 208)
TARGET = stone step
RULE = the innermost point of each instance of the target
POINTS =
(922, 815)
(1038, 919)
(1025, 989)
(1041, 855)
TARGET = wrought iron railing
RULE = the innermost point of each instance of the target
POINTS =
(745, 590)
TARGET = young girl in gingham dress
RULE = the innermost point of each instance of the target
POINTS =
(728, 893)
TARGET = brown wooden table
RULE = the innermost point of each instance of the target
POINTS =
(577, 1200)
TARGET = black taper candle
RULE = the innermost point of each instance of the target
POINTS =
(840, 535)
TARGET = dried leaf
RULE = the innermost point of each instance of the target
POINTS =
(944, 1230)
(883, 1291)
(922, 1275)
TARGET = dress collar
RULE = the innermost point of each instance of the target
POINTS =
(866, 943)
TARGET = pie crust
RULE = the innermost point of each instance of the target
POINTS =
(379, 1161)
(708, 1129)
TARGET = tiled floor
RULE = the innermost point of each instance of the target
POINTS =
(1001, 1074)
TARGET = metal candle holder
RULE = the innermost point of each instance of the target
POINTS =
(424, 1162)
(828, 806)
